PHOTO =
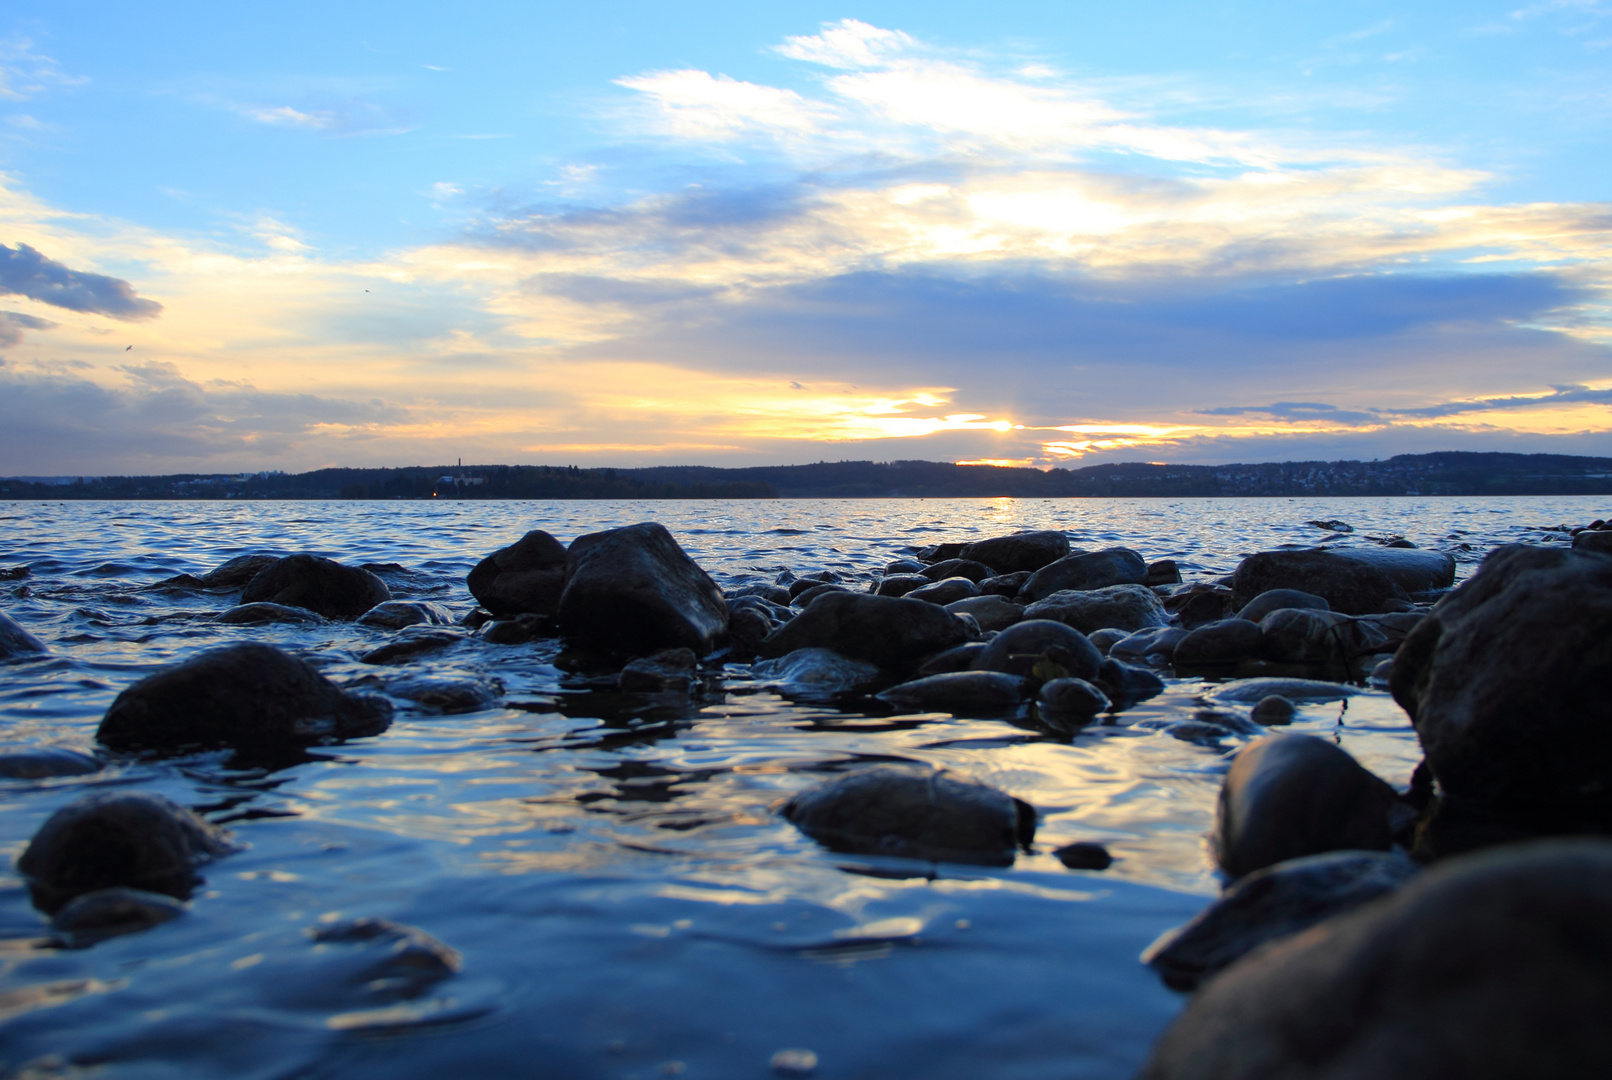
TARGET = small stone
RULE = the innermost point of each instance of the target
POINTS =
(945, 591)
(265, 612)
(668, 671)
(112, 912)
(991, 612)
(1123, 607)
(1024, 551)
(411, 645)
(396, 614)
(1073, 697)
(1085, 855)
(816, 673)
(45, 763)
(1273, 710)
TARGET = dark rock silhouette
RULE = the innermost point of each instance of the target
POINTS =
(526, 577)
(318, 584)
(634, 590)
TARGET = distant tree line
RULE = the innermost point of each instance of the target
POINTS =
(1446, 473)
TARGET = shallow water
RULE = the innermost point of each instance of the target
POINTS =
(611, 867)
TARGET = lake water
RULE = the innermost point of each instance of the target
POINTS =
(612, 868)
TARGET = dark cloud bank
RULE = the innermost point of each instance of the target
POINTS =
(24, 271)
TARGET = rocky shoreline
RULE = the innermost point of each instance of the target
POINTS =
(1336, 882)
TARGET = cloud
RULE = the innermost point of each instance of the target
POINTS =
(26, 272)
(25, 73)
(848, 43)
(698, 105)
(13, 323)
(345, 119)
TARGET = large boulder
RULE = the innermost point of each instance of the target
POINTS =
(915, 812)
(1024, 646)
(892, 632)
(1411, 569)
(634, 590)
(1486, 967)
(15, 641)
(118, 838)
(1349, 585)
(1286, 796)
(318, 584)
(1086, 570)
(1122, 607)
(527, 576)
(238, 695)
(1019, 551)
(1506, 682)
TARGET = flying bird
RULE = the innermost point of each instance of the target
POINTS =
(126, 348)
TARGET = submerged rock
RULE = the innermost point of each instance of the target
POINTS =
(816, 672)
(634, 590)
(45, 763)
(1506, 682)
(914, 812)
(1085, 571)
(885, 630)
(396, 614)
(524, 578)
(1485, 967)
(1073, 697)
(967, 693)
(318, 584)
(1060, 651)
(1085, 855)
(1123, 607)
(399, 961)
(1126, 685)
(1273, 710)
(1272, 903)
(1019, 551)
(15, 641)
(265, 612)
(118, 838)
(1350, 586)
(1252, 691)
(105, 913)
(517, 630)
(668, 671)
(238, 695)
(1154, 642)
(413, 644)
(1287, 796)
(445, 694)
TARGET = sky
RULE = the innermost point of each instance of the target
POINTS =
(248, 237)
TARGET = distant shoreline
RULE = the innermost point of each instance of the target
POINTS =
(1450, 473)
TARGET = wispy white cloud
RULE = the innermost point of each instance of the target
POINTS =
(25, 72)
(355, 117)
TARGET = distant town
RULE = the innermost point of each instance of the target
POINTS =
(1447, 473)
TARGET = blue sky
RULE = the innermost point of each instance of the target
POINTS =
(1054, 233)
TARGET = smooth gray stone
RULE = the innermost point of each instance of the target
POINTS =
(991, 612)
(1126, 684)
(1273, 903)
(1005, 584)
(806, 597)
(1106, 638)
(915, 812)
(1275, 599)
(445, 694)
(970, 693)
(412, 644)
(1302, 636)
(1086, 570)
(1411, 569)
(888, 631)
(811, 581)
(1122, 607)
(1350, 586)
(945, 591)
(901, 584)
(775, 594)
(1019, 551)
(904, 566)
(967, 568)
(1140, 644)
(1486, 967)
(1022, 646)
(1286, 796)
(1273, 710)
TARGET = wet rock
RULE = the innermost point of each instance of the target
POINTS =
(1058, 650)
(1199, 604)
(1126, 685)
(1506, 683)
(44, 763)
(1382, 674)
(445, 694)
(964, 568)
(318, 584)
(108, 913)
(1086, 571)
(816, 673)
(1332, 525)
(524, 578)
(1162, 572)
(396, 614)
(1019, 551)
(1412, 570)
(1292, 795)
(1004, 584)
(13, 573)
(1273, 710)
(1277, 599)
(634, 590)
(885, 630)
(1226, 642)
(233, 574)
(1597, 540)
(1156, 643)
(403, 961)
(476, 618)
(747, 629)
(238, 695)
(1252, 691)
(1084, 855)
(118, 838)
(412, 645)
(668, 671)
(935, 553)
(1272, 903)
(805, 597)
(1073, 697)
(904, 566)
(812, 581)
(1427, 982)
(964, 693)
(1348, 585)
(15, 641)
(957, 658)
(1106, 638)
(991, 612)
(901, 584)
(914, 812)
(775, 594)
(264, 612)
(945, 591)
(516, 631)
(1297, 636)
(1123, 607)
